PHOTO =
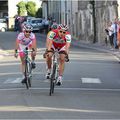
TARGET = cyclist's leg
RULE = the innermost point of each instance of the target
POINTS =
(33, 55)
(61, 65)
(22, 65)
(49, 63)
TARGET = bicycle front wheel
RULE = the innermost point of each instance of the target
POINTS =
(52, 80)
(28, 75)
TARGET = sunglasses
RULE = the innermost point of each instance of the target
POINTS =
(62, 32)
(28, 31)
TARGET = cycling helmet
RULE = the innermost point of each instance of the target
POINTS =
(27, 27)
(54, 26)
(63, 26)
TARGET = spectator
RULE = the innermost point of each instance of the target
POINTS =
(115, 28)
(118, 36)
(110, 33)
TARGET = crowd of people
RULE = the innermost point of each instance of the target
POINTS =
(113, 33)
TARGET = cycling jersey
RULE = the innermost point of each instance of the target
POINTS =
(58, 42)
(25, 42)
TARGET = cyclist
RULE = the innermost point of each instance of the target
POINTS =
(59, 39)
(26, 39)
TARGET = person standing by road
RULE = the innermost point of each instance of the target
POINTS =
(115, 28)
(110, 33)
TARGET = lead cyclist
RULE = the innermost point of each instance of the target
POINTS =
(25, 39)
(59, 39)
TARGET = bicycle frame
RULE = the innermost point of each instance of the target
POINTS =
(28, 68)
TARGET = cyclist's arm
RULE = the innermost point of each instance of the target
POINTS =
(16, 45)
(50, 38)
(68, 43)
(47, 40)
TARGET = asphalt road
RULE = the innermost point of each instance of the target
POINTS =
(90, 90)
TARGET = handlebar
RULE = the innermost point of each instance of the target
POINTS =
(26, 50)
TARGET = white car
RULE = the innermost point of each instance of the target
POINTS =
(3, 25)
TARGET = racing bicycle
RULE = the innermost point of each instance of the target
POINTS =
(28, 67)
(55, 70)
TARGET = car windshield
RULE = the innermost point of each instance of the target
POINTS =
(36, 21)
(2, 21)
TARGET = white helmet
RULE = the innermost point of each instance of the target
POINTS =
(63, 26)
(27, 27)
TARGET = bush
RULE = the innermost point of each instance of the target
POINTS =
(31, 8)
(21, 8)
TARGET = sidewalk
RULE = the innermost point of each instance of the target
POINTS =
(97, 46)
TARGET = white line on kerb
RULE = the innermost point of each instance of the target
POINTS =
(73, 89)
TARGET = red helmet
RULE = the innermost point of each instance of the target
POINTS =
(63, 27)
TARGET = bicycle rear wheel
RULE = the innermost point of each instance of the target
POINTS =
(52, 80)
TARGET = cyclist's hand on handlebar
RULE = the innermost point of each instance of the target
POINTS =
(15, 54)
(67, 58)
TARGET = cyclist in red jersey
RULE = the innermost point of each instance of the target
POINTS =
(59, 39)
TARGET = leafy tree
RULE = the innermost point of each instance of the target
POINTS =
(21, 8)
(39, 13)
(31, 8)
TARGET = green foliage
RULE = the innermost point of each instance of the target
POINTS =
(39, 13)
(21, 8)
(31, 8)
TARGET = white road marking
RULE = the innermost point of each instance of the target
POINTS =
(91, 80)
(11, 80)
(50, 109)
(19, 73)
(73, 89)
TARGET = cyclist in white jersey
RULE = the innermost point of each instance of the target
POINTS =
(26, 39)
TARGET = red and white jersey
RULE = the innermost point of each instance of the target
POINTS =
(25, 42)
(57, 41)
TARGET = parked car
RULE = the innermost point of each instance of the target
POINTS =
(3, 25)
(36, 23)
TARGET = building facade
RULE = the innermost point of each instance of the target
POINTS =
(86, 22)
(8, 8)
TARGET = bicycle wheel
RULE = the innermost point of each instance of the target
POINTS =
(26, 76)
(52, 80)
(30, 74)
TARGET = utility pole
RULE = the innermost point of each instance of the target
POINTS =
(92, 2)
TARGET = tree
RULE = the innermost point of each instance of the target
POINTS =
(31, 8)
(21, 8)
(39, 13)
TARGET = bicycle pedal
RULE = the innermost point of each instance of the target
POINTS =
(58, 83)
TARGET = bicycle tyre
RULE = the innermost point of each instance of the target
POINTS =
(26, 76)
(52, 79)
(29, 76)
